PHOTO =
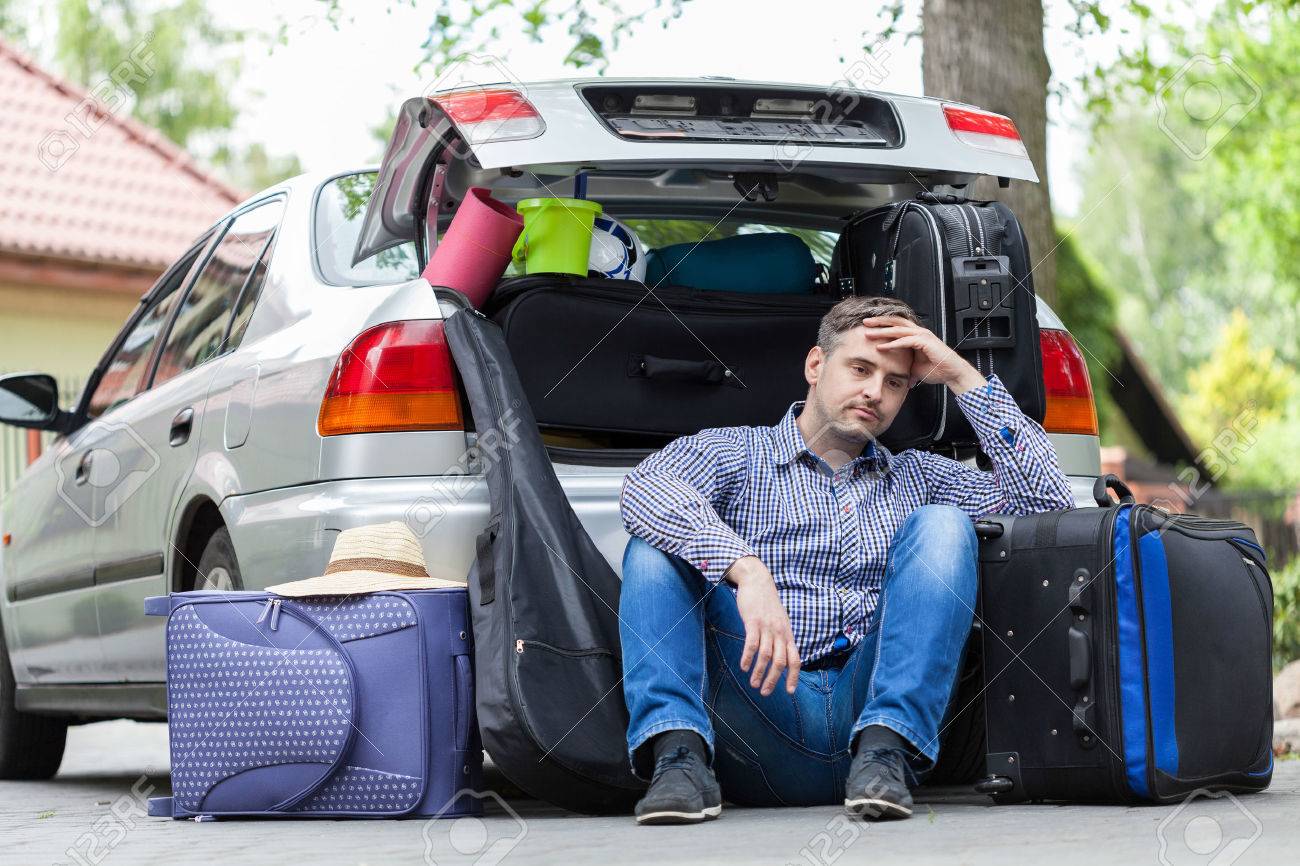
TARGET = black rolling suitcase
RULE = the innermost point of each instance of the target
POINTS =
(608, 356)
(1127, 654)
(964, 267)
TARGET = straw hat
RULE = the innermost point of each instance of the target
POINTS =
(369, 559)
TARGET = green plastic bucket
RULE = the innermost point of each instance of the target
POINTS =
(557, 235)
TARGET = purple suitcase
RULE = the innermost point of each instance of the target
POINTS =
(327, 706)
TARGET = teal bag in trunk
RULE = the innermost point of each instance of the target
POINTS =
(769, 263)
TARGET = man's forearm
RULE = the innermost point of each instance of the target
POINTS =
(747, 569)
(674, 517)
(967, 380)
(1026, 468)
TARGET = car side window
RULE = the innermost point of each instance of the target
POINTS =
(124, 375)
(204, 319)
(248, 297)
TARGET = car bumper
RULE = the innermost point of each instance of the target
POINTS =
(287, 534)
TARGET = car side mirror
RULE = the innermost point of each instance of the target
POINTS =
(31, 400)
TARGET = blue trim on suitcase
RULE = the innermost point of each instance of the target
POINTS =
(1249, 543)
(1133, 709)
(1158, 616)
(1266, 770)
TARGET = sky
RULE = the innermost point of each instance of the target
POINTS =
(321, 94)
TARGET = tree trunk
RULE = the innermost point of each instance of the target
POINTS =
(990, 53)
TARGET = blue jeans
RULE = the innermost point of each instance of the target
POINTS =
(683, 637)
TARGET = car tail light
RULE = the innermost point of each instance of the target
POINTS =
(393, 377)
(1070, 408)
(484, 114)
(985, 130)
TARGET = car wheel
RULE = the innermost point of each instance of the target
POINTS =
(218, 569)
(31, 746)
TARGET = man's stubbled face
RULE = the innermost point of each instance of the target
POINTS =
(857, 390)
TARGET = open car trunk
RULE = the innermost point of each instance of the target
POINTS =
(613, 369)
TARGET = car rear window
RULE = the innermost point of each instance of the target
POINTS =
(342, 204)
(339, 208)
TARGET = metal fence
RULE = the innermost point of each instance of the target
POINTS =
(13, 440)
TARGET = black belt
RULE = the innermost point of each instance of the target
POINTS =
(831, 660)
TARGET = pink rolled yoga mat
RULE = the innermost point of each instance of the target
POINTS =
(474, 252)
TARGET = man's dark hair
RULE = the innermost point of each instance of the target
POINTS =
(849, 313)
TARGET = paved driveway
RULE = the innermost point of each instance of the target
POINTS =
(92, 814)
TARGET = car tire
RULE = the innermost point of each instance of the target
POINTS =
(31, 746)
(218, 567)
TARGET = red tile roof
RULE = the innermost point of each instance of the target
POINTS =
(124, 195)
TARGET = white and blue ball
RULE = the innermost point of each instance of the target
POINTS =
(615, 251)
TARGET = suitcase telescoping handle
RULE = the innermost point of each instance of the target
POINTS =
(1079, 641)
(1102, 496)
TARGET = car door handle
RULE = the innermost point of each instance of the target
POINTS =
(181, 426)
(82, 475)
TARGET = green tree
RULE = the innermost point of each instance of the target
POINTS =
(1151, 235)
(1198, 234)
(1246, 392)
(1238, 377)
(188, 63)
(1197, 158)
(253, 167)
(1086, 304)
(13, 21)
(1254, 167)
(179, 63)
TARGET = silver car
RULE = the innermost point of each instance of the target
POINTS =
(288, 377)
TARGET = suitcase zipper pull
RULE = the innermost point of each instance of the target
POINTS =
(272, 607)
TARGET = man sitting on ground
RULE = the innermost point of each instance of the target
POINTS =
(807, 551)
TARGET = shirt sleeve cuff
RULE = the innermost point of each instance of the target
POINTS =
(994, 415)
(714, 549)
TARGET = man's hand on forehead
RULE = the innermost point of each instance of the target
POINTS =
(932, 359)
(892, 321)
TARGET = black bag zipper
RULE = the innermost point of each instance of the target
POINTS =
(522, 644)
(1265, 609)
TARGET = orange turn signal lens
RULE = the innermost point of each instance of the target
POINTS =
(1070, 415)
(1070, 406)
(381, 413)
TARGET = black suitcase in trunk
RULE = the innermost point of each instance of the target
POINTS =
(1127, 654)
(964, 267)
(610, 356)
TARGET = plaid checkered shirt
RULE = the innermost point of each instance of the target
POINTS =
(728, 492)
